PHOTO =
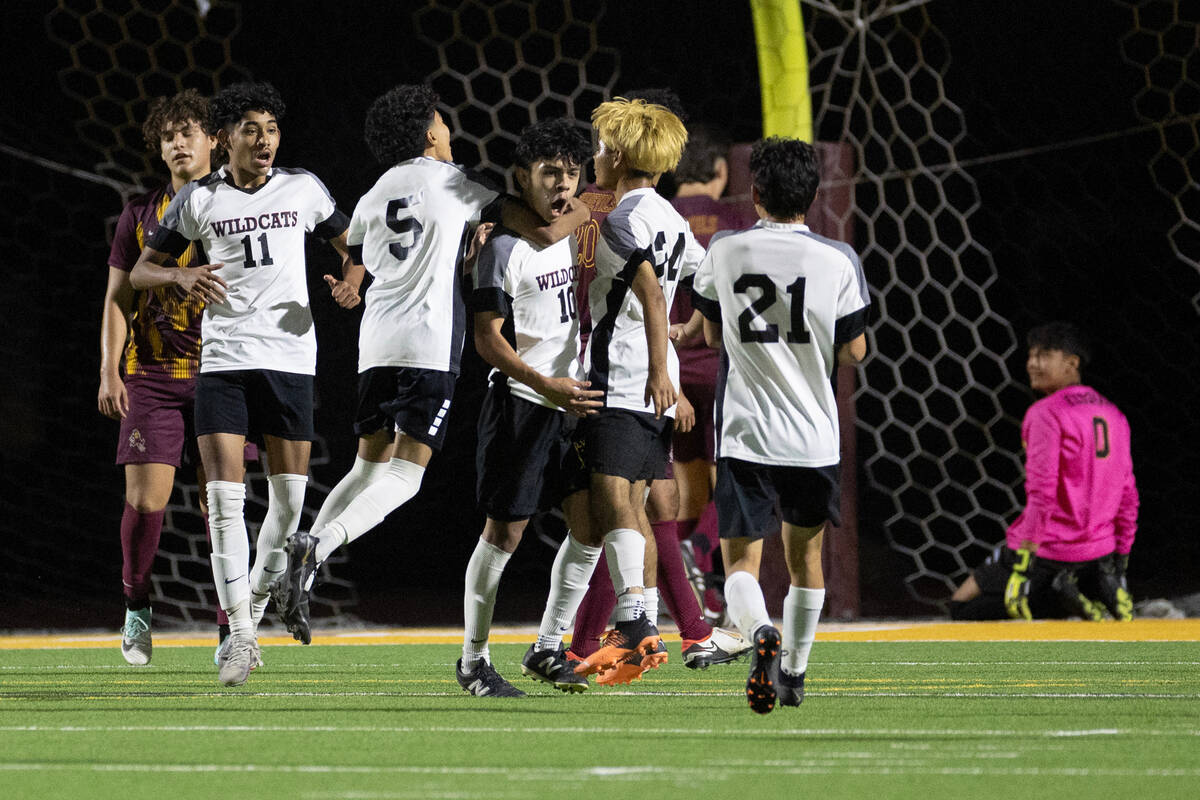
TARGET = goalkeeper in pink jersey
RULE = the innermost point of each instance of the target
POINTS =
(1066, 553)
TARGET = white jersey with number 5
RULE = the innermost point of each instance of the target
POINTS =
(642, 227)
(411, 227)
(265, 321)
(786, 298)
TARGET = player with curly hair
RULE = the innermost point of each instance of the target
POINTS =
(787, 306)
(412, 230)
(149, 354)
(258, 342)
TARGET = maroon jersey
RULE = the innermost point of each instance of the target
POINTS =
(164, 337)
(698, 362)
(588, 236)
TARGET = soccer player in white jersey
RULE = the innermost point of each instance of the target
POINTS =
(645, 249)
(527, 327)
(788, 306)
(409, 230)
(258, 346)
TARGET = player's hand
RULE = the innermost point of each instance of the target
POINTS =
(675, 334)
(202, 282)
(1114, 591)
(659, 391)
(1016, 591)
(344, 294)
(482, 232)
(685, 414)
(573, 396)
(113, 400)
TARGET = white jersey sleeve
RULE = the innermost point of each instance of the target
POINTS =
(785, 300)
(412, 227)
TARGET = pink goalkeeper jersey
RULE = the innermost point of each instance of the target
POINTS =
(1081, 499)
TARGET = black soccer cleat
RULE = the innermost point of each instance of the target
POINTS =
(484, 681)
(764, 657)
(553, 667)
(288, 591)
(789, 689)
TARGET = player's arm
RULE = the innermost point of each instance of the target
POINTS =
(686, 332)
(659, 389)
(151, 271)
(685, 413)
(572, 395)
(346, 291)
(113, 401)
(521, 219)
(852, 352)
(712, 334)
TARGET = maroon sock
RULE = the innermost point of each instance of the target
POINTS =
(707, 536)
(673, 586)
(222, 617)
(140, 532)
(592, 617)
(685, 527)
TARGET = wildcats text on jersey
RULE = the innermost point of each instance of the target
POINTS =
(263, 222)
(560, 277)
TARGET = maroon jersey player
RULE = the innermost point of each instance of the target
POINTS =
(149, 354)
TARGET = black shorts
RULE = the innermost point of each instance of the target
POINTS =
(411, 400)
(1048, 599)
(526, 459)
(628, 444)
(747, 494)
(255, 402)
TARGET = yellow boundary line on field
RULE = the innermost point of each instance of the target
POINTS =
(1142, 630)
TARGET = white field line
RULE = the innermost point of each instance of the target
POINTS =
(620, 771)
(99, 693)
(919, 733)
(377, 665)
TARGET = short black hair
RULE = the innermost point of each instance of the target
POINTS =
(706, 143)
(784, 171)
(662, 96)
(186, 106)
(550, 139)
(397, 122)
(1064, 336)
(231, 103)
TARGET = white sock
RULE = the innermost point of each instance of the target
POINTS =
(479, 599)
(569, 577)
(230, 552)
(625, 549)
(360, 476)
(395, 487)
(801, 611)
(285, 503)
(650, 597)
(745, 603)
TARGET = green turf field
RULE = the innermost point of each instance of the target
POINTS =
(883, 719)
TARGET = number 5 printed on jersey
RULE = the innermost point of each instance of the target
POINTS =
(401, 219)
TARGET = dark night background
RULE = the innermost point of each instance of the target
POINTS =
(1077, 232)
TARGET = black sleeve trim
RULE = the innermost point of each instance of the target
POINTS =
(630, 270)
(332, 227)
(355, 251)
(491, 212)
(165, 240)
(490, 299)
(711, 309)
(851, 326)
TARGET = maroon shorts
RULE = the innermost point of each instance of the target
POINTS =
(698, 443)
(159, 422)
